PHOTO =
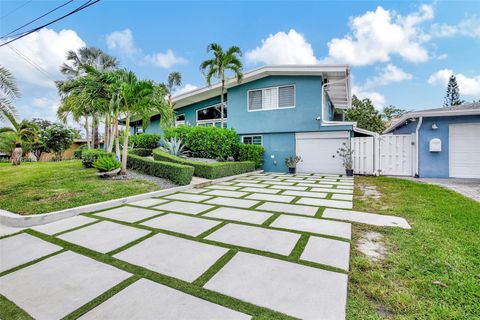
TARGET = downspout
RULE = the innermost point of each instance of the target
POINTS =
(417, 143)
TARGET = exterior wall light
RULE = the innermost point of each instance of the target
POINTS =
(434, 126)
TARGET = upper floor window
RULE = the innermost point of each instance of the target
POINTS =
(180, 120)
(271, 98)
(212, 115)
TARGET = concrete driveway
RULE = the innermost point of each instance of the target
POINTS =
(468, 187)
(253, 246)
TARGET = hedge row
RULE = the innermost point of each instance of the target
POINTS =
(177, 173)
(144, 141)
(208, 170)
(142, 152)
(251, 152)
(91, 155)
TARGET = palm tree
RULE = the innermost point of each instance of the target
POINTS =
(78, 62)
(8, 92)
(25, 133)
(138, 99)
(174, 80)
(221, 62)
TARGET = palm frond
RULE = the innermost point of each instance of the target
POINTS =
(8, 85)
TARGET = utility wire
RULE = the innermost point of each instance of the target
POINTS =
(32, 63)
(21, 35)
(17, 8)
(36, 19)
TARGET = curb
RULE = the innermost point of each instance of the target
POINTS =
(11, 219)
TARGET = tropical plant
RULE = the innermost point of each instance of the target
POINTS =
(58, 138)
(26, 134)
(216, 67)
(346, 154)
(173, 146)
(136, 98)
(364, 113)
(174, 81)
(8, 92)
(7, 142)
(106, 163)
(391, 112)
(291, 162)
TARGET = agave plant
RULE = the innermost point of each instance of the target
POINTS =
(173, 146)
(106, 163)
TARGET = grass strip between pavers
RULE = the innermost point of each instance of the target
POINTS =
(9, 310)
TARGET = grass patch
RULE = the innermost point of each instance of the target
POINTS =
(40, 187)
(443, 245)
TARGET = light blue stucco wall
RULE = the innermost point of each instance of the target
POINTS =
(280, 145)
(406, 128)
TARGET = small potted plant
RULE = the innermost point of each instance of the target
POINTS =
(346, 153)
(291, 163)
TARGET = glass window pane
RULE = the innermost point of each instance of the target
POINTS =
(270, 98)
(210, 113)
(180, 117)
(286, 96)
(257, 140)
(255, 100)
(247, 140)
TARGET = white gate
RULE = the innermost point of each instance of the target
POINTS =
(363, 155)
(396, 155)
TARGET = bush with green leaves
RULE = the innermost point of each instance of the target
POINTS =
(206, 142)
(208, 170)
(177, 173)
(90, 156)
(142, 152)
(106, 163)
(251, 152)
(58, 138)
(144, 141)
(77, 154)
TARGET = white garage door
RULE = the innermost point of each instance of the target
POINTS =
(464, 150)
(318, 151)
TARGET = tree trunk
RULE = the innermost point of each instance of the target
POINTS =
(221, 104)
(16, 157)
(87, 135)
(125, 146)
(117, 141)
(95, 133)
(111, 134)
(106, 135)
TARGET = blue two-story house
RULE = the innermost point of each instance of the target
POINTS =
(288, 109)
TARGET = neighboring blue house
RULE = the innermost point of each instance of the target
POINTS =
(289, 109)
(449, 140)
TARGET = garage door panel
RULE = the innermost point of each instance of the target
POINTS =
(464, 150)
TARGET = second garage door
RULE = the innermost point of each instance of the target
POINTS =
(318, 151)
(464, 150)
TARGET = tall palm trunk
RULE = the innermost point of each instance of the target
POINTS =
(87, 133)
(95, 132)
(117, 141)
(106, 135)
(221, 103)
(125, 146)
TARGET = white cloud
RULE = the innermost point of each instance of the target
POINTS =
(165, 60)
(283, 48)
(468, 27)
(376, 35)
(469, 86)
(122, 41)
(377, 98)
(47, 49)
(185, 88)
(389, 74)
(442, 56)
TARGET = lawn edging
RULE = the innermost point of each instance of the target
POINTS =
(15, 220)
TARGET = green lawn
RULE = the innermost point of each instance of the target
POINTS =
(49, 186)
(443, 245)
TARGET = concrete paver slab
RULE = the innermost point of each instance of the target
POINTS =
(188, 197)
(279, 183)
(231, 202)
(63, 225)
(314, 185)
(253, 185)
(365, 217)
(348, 197)
(146, 299)
(270, 197)
(219, 187)
(274, 241)
(246, 180)
(148, 202)
(330, 252)
(226, 193)
(195, 190)
(314, 225)
(345, 187)
(255, 217)
(192, 226)
(184, 207)
(104, 236)
(176, 257)
(296, 188)
(56, 286)
(326, 203)
(128, 214)
(261, 190)
(305, 194)
(288, 208)
(330, 190)
(22, 248)
(297, 290)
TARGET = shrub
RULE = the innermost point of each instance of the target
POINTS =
(77, 154)
(91, 155)
(208, 170)
(177, 173)
(106, 163)
(142, 152)
(144, 140)
(206, 142)
(251, 152)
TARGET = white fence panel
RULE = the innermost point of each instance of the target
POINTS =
(396, 155)
(363, 155)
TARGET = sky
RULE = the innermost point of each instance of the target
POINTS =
(401, 53)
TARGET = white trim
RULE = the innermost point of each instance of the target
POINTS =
(251, 136)
(437, 113)
(417, 147)
(209, 120)
(179, 123)
(278, 97)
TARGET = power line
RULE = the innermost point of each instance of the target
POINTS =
(17, 8)
(32, 63)
(21, 35)
(36, 19)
